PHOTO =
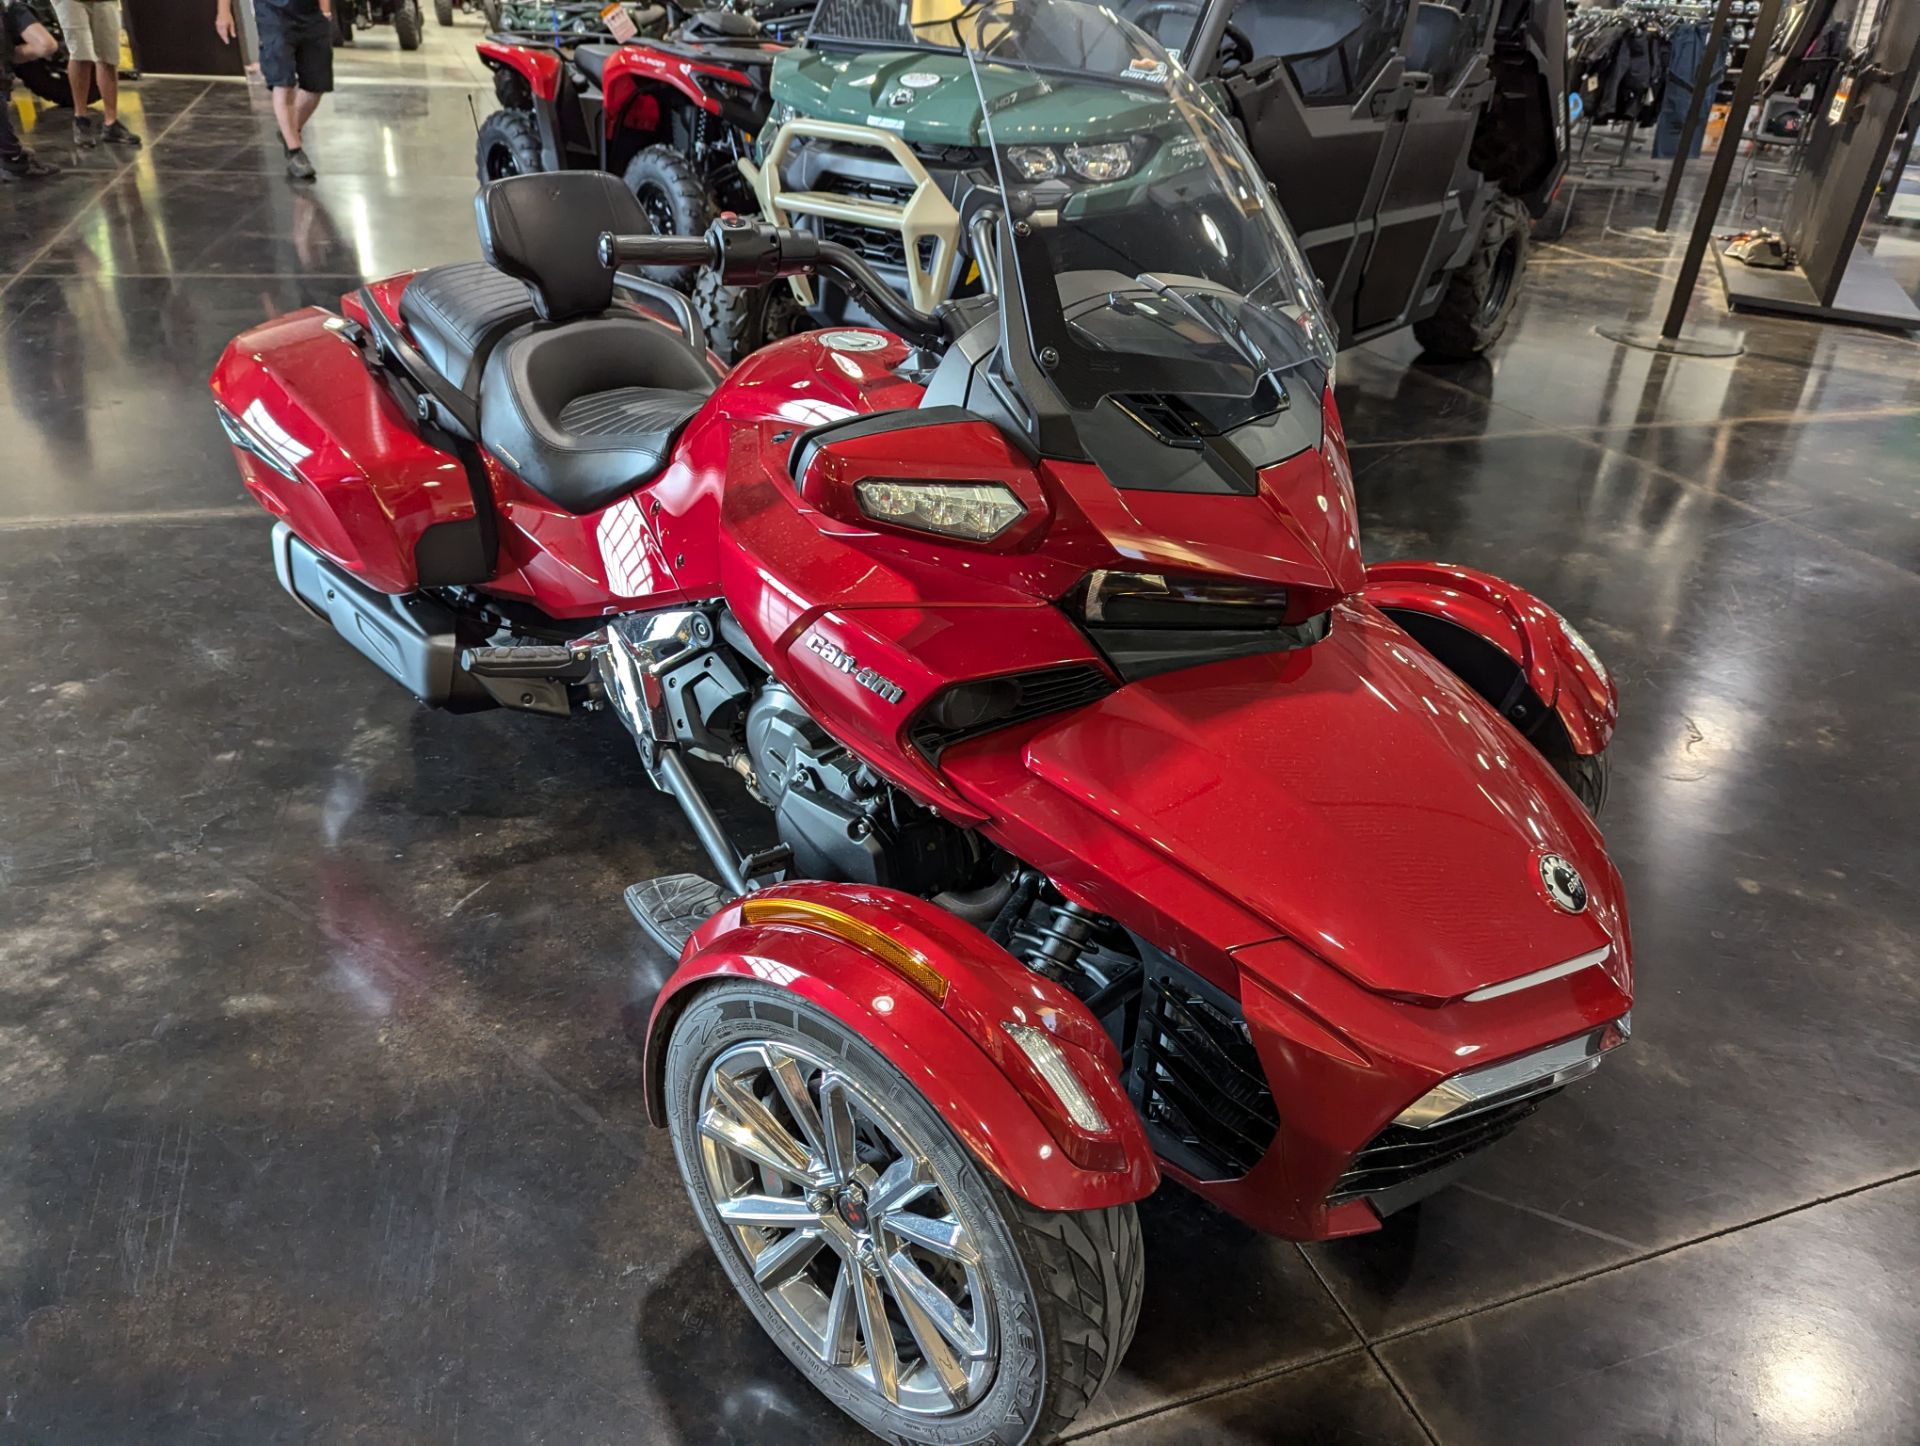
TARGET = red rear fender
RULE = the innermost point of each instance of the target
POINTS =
(1559, 669)
(843, 948)
(541, 67)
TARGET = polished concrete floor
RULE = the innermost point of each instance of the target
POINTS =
(315, 1117)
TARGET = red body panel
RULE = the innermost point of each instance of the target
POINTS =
(954, 1052)
(367, 486)
(1344, 837)
(633, 69)
(1521, 626)
(541, 67)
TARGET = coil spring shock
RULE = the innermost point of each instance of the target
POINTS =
(1051, 937)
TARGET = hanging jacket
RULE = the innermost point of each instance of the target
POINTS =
(1687, 45)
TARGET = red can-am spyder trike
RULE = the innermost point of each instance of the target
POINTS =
(1125, 826)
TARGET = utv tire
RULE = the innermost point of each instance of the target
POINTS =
(510, 88)
(508, 145)
(742, 319)
(443, 11)
(1481, 295)
(1055, 1296)
(675, 199)
(490, 9)
(407, 26)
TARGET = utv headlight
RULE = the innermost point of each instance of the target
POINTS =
(1164, 600)
(976, 511)
(1034, 163)
(1107, 161)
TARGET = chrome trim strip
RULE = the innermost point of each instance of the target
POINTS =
(1542, 976)
(1492, 1085)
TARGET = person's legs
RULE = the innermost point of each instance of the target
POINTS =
(313, 62)
(287, 115)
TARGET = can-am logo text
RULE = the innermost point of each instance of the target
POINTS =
(838, 657)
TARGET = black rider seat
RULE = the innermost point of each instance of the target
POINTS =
(584, 403)
(593, 60)
(458, 314)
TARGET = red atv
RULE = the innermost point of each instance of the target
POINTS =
(1123, 824)
(668, 115)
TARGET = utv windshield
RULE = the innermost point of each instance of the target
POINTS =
(1154, 275)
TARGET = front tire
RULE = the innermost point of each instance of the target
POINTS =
(742, 319)
(913, 1289)
(675, 199)
(443, 11)
(406, 25)
(1586, 774)
(508, 145)
(1481, 295)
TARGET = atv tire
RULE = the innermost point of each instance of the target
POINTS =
(742, 319)
(508, 145)
(407, 26)
(675, 199)
(443, 11)
(510, 88)
(1064, 1287)
(1481, 295)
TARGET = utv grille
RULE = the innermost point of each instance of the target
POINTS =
(1398, 1154)
(1197, 1078)
(1013, 700)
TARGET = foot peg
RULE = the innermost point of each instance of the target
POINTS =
(672, 906)
(533, 677)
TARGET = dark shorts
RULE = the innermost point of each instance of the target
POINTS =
(295, 50)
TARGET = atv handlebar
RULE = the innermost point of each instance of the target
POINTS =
(752, 253)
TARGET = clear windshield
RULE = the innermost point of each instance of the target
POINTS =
(1152, 265)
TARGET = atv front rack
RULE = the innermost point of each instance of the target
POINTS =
(925, 214)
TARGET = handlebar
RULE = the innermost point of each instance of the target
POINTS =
(752, 253)
(618, 250)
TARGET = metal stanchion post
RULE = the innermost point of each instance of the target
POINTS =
(1668, 338)
(1697, 109)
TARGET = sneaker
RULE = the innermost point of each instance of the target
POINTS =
(298, 166)
(84, 135)
(117, 134)
(28, 167)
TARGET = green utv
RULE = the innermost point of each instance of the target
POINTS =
(1410, 143)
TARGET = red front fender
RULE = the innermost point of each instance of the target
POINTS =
(1561, 672)
(952, 1048)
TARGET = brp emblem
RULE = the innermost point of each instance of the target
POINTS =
(901, 97)
(1563, 883)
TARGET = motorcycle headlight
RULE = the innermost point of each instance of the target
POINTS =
(1108, 161)
(1034, 163)
(976, 511)
(1163, 600)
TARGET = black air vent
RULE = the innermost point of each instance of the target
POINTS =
(1398, 1154)
(966, 710)
(1197, 1078)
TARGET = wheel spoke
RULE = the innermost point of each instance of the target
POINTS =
(773, 1145)
(943, 1236)
(928, 1331)
(841, 1334)
(836, 1119)
(791, 1080)
(777, 1212)
(877, 1332)
(912, 1288)
(902, 1183)
(745, 1140)
(778, 1264)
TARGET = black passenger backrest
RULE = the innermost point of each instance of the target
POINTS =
(545, 229)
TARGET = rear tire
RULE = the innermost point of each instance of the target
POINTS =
(742, 319)
(1481, 295)
(511, 89)
(508, 145)
(1050, 1298)
(46, 79)
(407, 26)
(443, 11)
(675, 199)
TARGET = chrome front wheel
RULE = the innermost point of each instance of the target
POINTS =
(847, 1228)
(916, 1291)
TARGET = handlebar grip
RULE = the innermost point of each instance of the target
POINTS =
(617, 250)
